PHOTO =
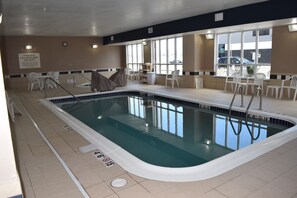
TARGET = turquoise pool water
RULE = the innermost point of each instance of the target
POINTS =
(168, 132)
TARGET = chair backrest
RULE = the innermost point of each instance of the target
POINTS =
(34, 76)
(259, 78)
(293, 82)
(55, 75)
(175, 74)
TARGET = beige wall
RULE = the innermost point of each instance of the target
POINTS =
(208, 58)
(284, 51)
(54, 57)
(193, 52)
(147, 52)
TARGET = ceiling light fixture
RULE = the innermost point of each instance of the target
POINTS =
(28, 47)
(94, 46)
(209, 36)
(0, 18)
(293, 27)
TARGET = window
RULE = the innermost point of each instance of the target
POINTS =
(236, 133)
(244, 53)
(134, 54)
(168, 55)
(169, 118)
(136, 107)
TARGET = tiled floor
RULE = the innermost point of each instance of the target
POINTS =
(274, 174)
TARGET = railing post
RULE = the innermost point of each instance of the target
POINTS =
(241, 91)
(260, 104)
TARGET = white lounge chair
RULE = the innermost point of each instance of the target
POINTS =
(233, 81)
(257, 81)
(292, 85)
(33, 81)
(173, 78)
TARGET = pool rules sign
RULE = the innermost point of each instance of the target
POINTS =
(29, 60)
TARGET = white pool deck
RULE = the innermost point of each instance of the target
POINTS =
(273, 174)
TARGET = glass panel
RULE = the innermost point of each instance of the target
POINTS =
(134, 52)
(157, 54)
(222, 48)
(180, 68)
(164, 120)
(159, 118)
(235, 48)
(163, 51)
(231, 137)
(171, 68)
(249, 47)
(220, 128)
(221, 70)
(163, 69)
(171, 51)
(265, 47)
(140, 53)
(135, 67)
(172, 122)
(179, 50)
(180, 125)
(157, 69)
(264, 56)
(129, 49)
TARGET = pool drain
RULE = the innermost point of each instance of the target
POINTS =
(117, 183)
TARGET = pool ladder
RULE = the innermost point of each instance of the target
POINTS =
(49, 78)
(259, 91)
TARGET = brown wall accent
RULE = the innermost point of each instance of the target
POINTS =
(147, 52)
(284, 51)
(208, 48)
(193, 52)
(77, 55)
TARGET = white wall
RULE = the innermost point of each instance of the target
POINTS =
(9, 179)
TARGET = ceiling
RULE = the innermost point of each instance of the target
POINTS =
(99, 17)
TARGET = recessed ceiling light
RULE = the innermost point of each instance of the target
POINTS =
(293, 27)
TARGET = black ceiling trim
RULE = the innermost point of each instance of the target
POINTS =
(253, 13)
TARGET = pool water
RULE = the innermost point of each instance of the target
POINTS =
(167, 132)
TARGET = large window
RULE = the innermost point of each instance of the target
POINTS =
(244, 53)
(236, 134)
(169, 118)
(168, 55)
(134, 54)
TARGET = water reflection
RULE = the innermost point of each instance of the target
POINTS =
(165, 132)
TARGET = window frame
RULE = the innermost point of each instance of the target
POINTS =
(228, 64)
(135, 64)
(158, 65)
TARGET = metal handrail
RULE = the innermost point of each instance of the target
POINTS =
(259, 90)
(85, 77)
(49, 78)
(240, 129)
(234, 95)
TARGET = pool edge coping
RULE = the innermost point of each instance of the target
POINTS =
(200, 172)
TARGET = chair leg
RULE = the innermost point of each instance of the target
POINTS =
(177, 83)
(172, 84)
(276, 92)
(289, 94)
(166, 82)
(294, 98)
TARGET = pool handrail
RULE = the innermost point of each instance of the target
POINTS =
(49, 78)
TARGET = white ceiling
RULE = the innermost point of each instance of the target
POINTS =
(99, 17)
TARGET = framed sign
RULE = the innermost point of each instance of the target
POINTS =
(29, 60)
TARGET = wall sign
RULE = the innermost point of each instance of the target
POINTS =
(29, 60)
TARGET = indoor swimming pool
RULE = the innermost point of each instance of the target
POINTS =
(169, 139)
